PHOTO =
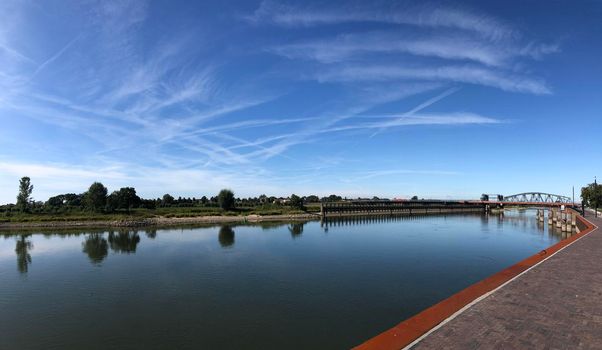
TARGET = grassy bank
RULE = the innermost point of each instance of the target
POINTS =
(78, 215)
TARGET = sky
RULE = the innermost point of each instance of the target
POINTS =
(437, 99)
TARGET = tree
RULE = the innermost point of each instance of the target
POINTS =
(73, 199)
(126, 198)
(225, 199)
(312, 199)
(415, 198)
(24, 197)
(296, 202)
(96, 197)
(333, 198)
(112, 201)
(592, 195)
(56, 201)
(148, 204)
(167, 200)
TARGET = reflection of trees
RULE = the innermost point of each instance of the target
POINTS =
(270, 225)
(151, 233)
(296, 229)
(226, 236)
(124, 241)
(23, 256)
(96, 247)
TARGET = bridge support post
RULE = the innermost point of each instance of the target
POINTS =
(563, 222)
(573, 219)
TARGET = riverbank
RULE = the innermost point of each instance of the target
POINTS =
(158, 221)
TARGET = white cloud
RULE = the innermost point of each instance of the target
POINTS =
(464, 74)
(445, 46)
(421, 16)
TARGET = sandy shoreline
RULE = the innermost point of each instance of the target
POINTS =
(160, 221)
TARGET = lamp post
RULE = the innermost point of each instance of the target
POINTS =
(595, 192)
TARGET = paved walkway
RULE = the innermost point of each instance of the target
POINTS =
(556, 305)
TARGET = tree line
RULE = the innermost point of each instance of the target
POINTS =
(98, 199)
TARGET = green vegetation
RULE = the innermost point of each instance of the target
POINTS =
(592, 195)
(124, 204)
(296, 202)
(226, 199)
(24, 196)
(96, 197)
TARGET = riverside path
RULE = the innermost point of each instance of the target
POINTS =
(555, 305)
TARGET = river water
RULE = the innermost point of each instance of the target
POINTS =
(271, 286)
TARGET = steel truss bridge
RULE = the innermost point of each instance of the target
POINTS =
(537, 197)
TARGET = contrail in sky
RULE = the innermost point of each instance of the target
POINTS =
(420, 107)
(54, 57)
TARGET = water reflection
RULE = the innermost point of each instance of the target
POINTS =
(23, 256)
(226, 236)
(124, 241)
(296, 229)
(96, 244)
(269, 225)
(387, 218)
(151, 233)
(96, 247)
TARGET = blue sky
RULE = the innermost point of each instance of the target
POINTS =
(387, 98)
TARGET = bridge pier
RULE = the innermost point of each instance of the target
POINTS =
(563, 222)
(540, 215)
(573, 219)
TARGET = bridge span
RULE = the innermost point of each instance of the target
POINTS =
(432, 206)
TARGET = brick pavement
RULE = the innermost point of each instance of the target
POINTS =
(555, 305)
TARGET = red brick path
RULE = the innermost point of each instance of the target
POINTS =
(556, 305)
